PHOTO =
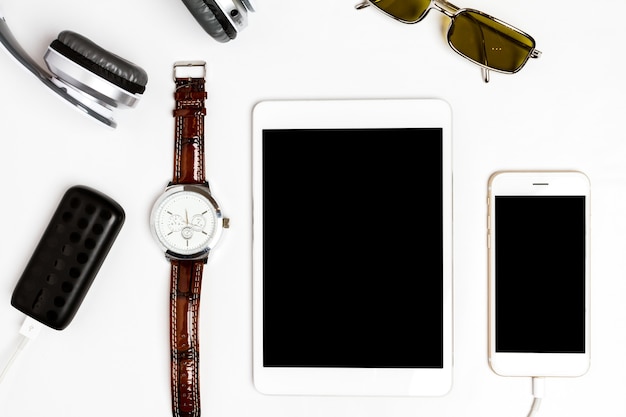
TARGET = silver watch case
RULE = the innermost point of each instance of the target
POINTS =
(221, 222)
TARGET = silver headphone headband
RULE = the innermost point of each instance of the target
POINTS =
(248, 5)
(89, 92)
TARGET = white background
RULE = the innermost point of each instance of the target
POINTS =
(562, 111)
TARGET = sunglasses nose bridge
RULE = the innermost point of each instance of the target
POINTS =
(445, 7)
(448, 12)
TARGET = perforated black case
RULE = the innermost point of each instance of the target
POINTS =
(68, 256)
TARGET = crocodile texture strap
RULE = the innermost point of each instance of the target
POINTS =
(185, 306)
(186, 275)
(189, 113)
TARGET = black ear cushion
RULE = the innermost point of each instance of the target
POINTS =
(107, 65)
(212, 19)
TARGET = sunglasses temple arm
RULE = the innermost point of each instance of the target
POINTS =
(485, 74)
(362, 5)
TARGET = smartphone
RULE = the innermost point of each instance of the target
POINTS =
(538, 239)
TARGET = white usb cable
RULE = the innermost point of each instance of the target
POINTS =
(538, 392)
(29, 331)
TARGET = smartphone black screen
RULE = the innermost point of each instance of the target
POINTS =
(540, 274)
(353, 248)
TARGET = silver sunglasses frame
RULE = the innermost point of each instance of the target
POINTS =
(451, 11)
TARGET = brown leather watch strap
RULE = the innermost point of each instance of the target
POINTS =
(186, 280)
(186, 275)
(189, 115)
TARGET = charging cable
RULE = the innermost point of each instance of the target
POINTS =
(29, 331)
(538, 392)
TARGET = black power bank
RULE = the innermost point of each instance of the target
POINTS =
(68, 256)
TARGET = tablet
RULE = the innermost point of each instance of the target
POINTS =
(352, 247)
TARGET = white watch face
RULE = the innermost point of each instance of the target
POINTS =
(186, 222)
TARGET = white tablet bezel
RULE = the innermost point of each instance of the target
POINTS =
(358, 114)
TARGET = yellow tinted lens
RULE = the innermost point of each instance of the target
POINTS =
(406, 10)
(489, 42)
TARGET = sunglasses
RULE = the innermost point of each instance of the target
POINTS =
(486, 41)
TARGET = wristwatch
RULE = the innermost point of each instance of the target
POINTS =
(187, 222)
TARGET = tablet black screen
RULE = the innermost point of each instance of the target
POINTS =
(353, 248)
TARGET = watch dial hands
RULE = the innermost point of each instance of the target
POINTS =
(178, 224)
(187, 233)
(198, 222)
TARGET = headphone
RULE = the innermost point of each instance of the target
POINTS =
(222, 19)
(91, 78)
(97, 81)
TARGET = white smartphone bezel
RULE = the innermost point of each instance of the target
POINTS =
(553, 183)
(357, 114)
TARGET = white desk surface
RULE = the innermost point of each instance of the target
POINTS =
(565, 110)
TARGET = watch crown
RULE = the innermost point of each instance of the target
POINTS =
(225, 222)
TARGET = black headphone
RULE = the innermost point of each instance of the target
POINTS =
(97, 81)
(222, 19)
(91, 78)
